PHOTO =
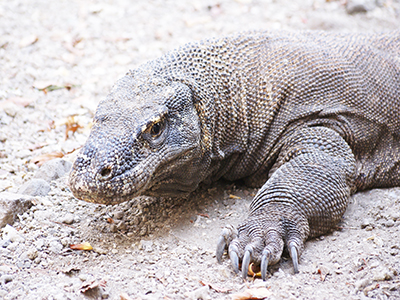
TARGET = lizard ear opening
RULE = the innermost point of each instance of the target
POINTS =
(204, 102)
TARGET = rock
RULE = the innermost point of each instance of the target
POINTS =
(382, 274)
(6, 278)
(10, 233)
(67, 219)
(146, 245)
(4, 243)
(201, 293)
(32, 254)
(119, 215)
(359, 6)
(100, 250)
(55, 246)
(35, 187)
(11, 205)
(53, 169)
(362, 283)
(389, 223)
(366, 222)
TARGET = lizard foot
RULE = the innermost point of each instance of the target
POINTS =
(260, 240)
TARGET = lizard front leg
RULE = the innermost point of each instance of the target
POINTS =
(305, 197)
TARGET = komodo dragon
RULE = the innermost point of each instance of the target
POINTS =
(310, 117)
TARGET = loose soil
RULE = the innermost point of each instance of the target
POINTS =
(58, 60)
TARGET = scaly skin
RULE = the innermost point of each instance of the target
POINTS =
(310, 117)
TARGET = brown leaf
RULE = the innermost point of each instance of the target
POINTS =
(41, 159)
(83, 246)
(110, 220)
(323, 272)
(252, 294)
(92, 285)
(71, 125)
(254, 271)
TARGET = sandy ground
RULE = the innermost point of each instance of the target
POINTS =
(58, 59)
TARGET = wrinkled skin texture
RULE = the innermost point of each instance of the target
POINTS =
(309, 117)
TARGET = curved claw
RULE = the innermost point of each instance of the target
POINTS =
(264, 264)
(221, 246)
(245, 263)
(227, 235)
(234, 259)
(293, 254)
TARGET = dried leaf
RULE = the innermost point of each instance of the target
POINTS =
(110, 220)
(322, 273)
(71, 125)
(41, 159)
(48, 86)
(92, 285)
(234, 197)
(83, 246)
(254, 271)
(252, 294)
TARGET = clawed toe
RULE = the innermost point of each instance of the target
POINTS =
(263, 247)
(227, 235)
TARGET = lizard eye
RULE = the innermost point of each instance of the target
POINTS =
(156, 129)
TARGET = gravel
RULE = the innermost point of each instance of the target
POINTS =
(58, 60)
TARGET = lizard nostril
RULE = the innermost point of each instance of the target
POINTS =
(105, 173)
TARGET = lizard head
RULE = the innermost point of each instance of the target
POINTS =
(145, 139)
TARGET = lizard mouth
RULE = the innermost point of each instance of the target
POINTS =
(110, 190)
(103, 187)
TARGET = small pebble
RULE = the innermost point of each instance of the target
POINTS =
(382, 275)
(10, 233)
(6, 278)
(389, 223)
(146, 245)
(100, 250)
(200, 293)
(32, 254)
(361, 284)
(83, 277)
(119, 215)
(35, 187)
(68, 219)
